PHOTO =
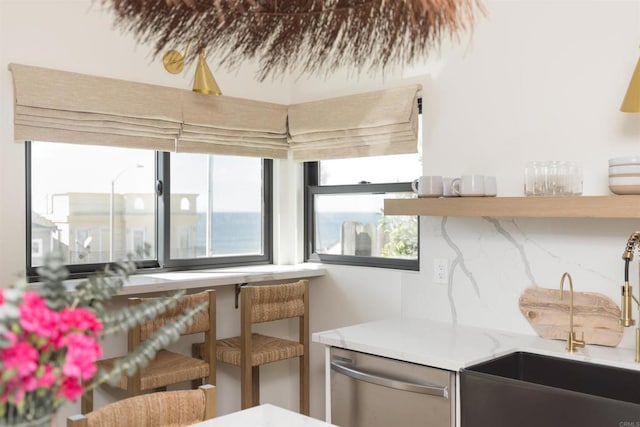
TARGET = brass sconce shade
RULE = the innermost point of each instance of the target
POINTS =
(204, 81)
(631, 103)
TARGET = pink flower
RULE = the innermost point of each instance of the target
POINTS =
(79, 319)
(82, 353)
(36, 317)
(1, 296)
(48, 378)
(29, 383)
(71, 388)
(20, 356)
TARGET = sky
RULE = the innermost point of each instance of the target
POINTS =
(63, 168)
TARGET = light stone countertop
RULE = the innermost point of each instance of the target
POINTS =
(453, 347)
(197, 279)
(265, 415)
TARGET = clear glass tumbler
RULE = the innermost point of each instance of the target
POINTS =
(552, 178)
(535, 181)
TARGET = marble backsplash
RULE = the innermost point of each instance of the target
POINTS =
(493, 260)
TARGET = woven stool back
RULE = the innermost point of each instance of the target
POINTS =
(166, 408)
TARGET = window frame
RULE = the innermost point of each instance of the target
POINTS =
(163, 261)
(312, 188)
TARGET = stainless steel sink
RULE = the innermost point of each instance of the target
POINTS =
(525, 389)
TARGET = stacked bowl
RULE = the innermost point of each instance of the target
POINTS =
(624, 175)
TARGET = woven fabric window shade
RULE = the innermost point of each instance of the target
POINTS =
(61, 106)
(369, 124)
(233, 126)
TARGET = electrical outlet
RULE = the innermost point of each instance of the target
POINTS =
(441, 270)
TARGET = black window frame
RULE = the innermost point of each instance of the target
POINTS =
(312, 188)
(163, 261)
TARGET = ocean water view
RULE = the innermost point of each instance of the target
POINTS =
(231, 233)
(240, 232)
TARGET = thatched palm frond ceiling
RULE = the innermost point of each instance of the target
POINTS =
(306, 36)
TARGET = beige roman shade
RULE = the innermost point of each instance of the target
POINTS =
(233, 126)
(369, 124)
(61, 106)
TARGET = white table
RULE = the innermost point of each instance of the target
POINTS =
(265, 415)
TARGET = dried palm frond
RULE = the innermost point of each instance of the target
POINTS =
(298, 35)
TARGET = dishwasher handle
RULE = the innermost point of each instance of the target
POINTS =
(394, 383)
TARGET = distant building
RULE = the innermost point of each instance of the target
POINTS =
(83, 225)
(44, 234)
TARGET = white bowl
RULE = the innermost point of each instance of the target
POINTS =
(625, 180)
(624, 170)
(625, 175)
(624, 185)
(625, 189)
(625, 160)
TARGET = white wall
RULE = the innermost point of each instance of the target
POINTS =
(536, 80)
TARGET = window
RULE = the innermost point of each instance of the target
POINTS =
(345, 221)
(217, 207)
(98, 204)
(344, 210)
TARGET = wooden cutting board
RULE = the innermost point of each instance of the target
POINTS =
(595, 314)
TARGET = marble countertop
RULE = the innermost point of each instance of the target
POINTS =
(265, 415)
(454, 347)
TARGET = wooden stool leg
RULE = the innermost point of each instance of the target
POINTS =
(255, 385)
(304, 384)
(246, 397)
(86, 402)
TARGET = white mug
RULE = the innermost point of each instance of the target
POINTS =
(490, 186)
(449, 186)
(469, 185)
(428, 186)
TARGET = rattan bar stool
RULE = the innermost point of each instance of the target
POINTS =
(169, 367)
(165, 408)
(250, 350)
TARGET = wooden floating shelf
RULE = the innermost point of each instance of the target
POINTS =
(531, 207)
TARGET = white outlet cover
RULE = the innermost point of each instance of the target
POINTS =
(441, 270)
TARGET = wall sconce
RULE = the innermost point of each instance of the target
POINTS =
(203, 82)
(631, 103)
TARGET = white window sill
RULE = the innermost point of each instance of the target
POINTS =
(195, 279)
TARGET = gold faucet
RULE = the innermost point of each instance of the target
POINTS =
(572, 341)
(626, 314)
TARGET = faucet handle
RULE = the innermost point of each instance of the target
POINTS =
(573, 342)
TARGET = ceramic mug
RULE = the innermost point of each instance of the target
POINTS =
(428, 186)
(469, 185)
(490, 186)
(449, 186)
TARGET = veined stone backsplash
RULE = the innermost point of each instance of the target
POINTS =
(493, 260)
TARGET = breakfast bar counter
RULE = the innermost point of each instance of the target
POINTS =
(139, 284)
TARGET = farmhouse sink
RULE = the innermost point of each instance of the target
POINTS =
(526, 389)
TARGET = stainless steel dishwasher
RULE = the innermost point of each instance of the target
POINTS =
(375, 391)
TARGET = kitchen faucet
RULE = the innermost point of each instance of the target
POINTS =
(572, 341)
(626, 315)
